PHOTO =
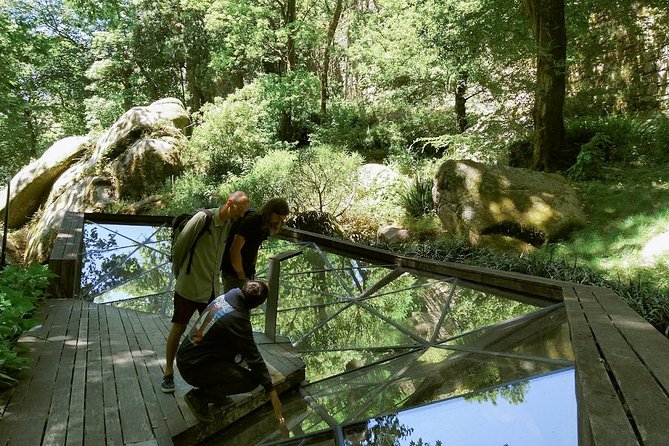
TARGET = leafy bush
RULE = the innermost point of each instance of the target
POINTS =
(20, 290)
(230, 134)
(188, 192)
(634, 140)
(271, 176)
(417, 198)
(322, 178)
(590, 159)
(375, 131)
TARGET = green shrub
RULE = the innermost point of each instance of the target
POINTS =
(590, 160)
(188, 192)
(417, 198)
(271, 176)
(634, 140)
(321, 178)
(229, 134)
(20, 290)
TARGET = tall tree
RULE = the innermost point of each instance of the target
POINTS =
(547, 18)
(329, 43)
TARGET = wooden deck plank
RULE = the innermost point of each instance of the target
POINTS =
(648, 343)
(94, 422)
(113, 434)
(35, 401)
(75, 425)
(178, 415)
(608, 423)
(146, 360)
(135, 424)
(56, 428)
(647, 403)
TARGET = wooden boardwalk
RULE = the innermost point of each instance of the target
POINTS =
(95, 379)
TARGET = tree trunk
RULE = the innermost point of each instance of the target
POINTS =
(461, 101)
(291, 17)
(329, 43)
(548, 25)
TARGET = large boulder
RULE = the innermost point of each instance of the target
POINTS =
(29, 188)
(474, 199)
(145, 166)
(130, 126)
(130, 160)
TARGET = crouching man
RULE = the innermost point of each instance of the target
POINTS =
(209, 357)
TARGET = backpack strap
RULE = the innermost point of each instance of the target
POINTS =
(207, 222)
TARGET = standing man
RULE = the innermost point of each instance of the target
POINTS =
(197, 286)
(209, 357)
(245, 238)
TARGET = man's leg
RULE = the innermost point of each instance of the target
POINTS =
(173, 339)
(183, 310)
(215, 382)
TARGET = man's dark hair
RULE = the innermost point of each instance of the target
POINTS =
(278, 206)
(255, 292)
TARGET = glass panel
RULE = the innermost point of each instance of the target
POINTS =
(351, 392)
(116, 254)
(538, 411)
(120, 266)
(354, 327)
(544, 333)
(440, 374)
(295, 324)
(321, 365)
(156, 304)
(471, 309)
(413, 302)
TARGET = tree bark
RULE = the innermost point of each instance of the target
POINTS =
(329, 43)
(548, 26)
(461, 101)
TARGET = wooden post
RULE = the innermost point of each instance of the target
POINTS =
(273, 283)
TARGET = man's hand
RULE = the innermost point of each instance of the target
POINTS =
(278, 412)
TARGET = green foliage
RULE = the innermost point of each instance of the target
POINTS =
(590, 159)
(188, 192)
(633, 140)
(20, 290)
(270, 176)
(322, 178)
(231, 133)
(379, 132)
(417, 197)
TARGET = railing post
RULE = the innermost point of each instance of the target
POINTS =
(272, 304)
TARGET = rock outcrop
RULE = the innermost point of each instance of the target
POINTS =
(32, 184)
(138, 153)
(474, 199)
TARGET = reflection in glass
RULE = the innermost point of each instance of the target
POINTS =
(471, 309)
(125, 263)
(324, 364)
(353, 327)
(412, 302)
(544, 333)
(544, 415)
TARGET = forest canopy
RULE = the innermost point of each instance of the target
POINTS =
(390, 79)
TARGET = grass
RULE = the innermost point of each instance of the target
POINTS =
(628, 232)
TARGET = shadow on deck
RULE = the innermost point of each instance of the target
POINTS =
(95, 379)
